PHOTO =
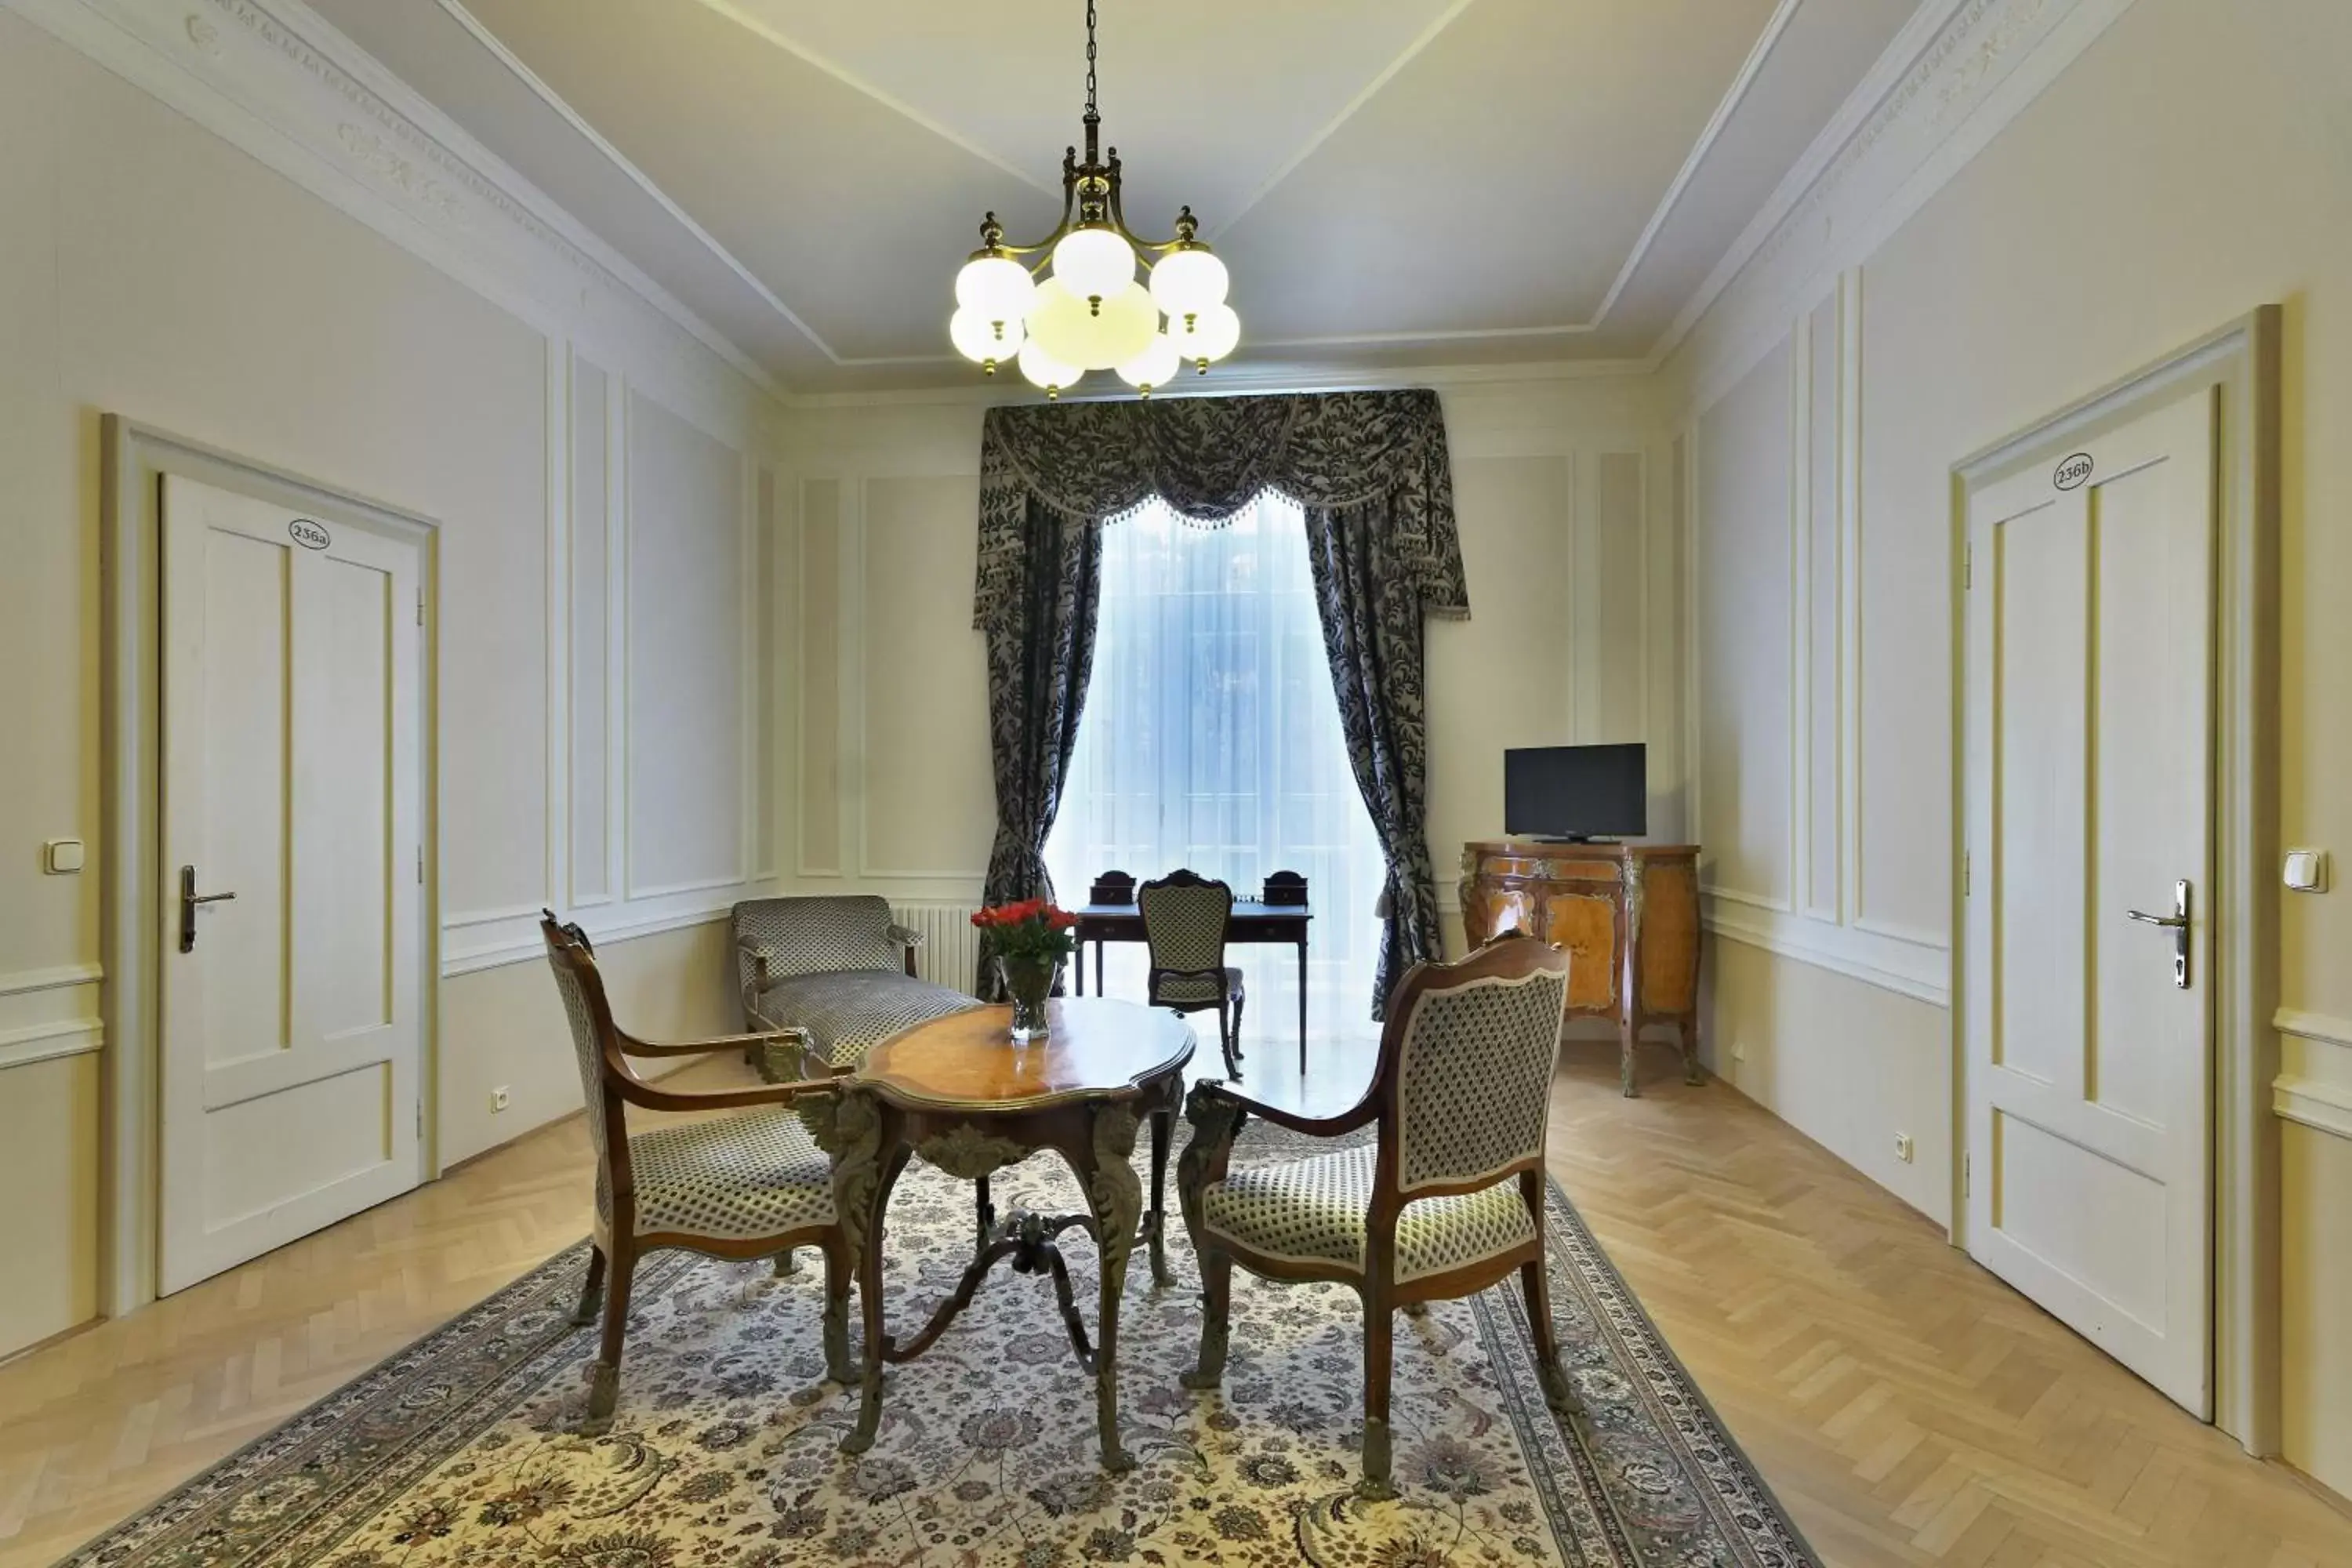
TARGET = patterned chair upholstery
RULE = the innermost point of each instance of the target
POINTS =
(1446, 1200)
(752, 1184)
(1184, 921)
(837, 968)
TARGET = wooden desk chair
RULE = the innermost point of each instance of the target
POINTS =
(1184, 921)
(1448, 1200)
(753, 1184)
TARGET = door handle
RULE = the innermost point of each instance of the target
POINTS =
(2177, 922)
(189, 900)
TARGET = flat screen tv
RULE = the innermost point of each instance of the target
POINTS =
(1576, 792)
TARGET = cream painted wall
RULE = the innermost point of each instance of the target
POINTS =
(2187, 167)
(1564, 491)
(147, 268)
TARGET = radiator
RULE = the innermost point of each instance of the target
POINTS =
(950, 950)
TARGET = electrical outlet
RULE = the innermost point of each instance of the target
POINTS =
(499, 1100)
(1903, 1147)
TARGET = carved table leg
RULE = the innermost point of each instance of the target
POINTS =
(850, 1130)
(1164, 1128)
(1116, 1197)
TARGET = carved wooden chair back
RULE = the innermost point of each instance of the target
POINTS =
(596, 1046)
(1184, 921)
(1464, 1081)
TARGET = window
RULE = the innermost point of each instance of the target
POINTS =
(1210, 738)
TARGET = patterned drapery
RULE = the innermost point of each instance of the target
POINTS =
(1041, 650)
(1371, 472)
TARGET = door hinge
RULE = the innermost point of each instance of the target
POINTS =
(1966, 879)
(1968, 1175)
(420, 605)
(1968, 566)
(420, 865)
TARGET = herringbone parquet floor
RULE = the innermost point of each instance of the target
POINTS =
(1906, 1407)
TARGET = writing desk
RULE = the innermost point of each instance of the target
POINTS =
(1253, 922)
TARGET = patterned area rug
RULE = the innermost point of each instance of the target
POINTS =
(462, 1449)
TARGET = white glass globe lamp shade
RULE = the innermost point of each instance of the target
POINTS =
(1187, 282)
(1207, 337)
(1093, 263)
(1042, 369)
(1090, 336)
(1155, 366)
(994, 287)
(983, 341)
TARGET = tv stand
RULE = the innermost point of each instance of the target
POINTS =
(1627, 913)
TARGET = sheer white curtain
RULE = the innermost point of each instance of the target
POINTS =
(1210, 738)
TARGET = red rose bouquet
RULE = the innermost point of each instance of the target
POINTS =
(1030, 940)
(1030, 929)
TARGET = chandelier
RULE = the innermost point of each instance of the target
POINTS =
(1090, 313)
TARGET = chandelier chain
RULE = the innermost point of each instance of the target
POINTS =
(1090, 60)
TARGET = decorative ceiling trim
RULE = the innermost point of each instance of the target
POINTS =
(1245, 377)
(759, 28)
(531, 79)
(1953, 78)
(1330, 127)
(280, 83)
(1733, 98)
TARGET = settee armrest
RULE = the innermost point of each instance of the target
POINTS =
(908, 940)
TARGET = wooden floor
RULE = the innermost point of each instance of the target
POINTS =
(1906, 1407)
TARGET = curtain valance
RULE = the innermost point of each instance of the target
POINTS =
(1377, 456)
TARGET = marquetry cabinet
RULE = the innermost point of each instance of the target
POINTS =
(1627, 914)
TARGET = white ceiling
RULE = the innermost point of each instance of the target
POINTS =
(1392, 182)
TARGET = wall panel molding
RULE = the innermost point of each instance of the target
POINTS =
(2311, 1102)
(1921, 974)
(49, 1012)
(2321, 1028)
(1824, 920)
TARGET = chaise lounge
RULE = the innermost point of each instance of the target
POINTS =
(836, 966)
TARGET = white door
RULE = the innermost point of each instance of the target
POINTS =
(292, 845)
(2089, 751)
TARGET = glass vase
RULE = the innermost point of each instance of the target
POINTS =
(1028, 981)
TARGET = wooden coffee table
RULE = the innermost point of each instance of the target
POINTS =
(957, 1092)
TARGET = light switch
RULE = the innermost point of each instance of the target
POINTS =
(61, 856)
(2306, 870)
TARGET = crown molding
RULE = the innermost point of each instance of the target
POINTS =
(280, 83)
(1955, 77)
(1230, 379)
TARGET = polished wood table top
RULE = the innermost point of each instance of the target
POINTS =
(1094, 1048)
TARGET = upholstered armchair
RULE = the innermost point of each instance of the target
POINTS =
(1445, 1200)
(752, 1184)
(1184, 921)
